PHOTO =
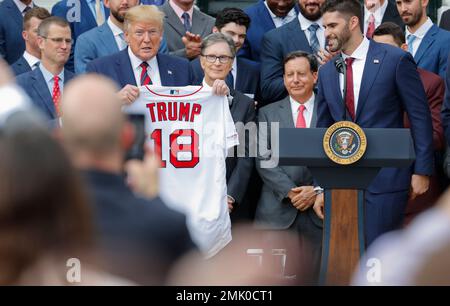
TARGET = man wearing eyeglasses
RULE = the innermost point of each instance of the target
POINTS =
(218, 52)
(140, 63)
(45, 84)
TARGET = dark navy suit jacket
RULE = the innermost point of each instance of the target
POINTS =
(20, 66)
(12, 44)
(34, 84)
(247, 75)
(275, 46)
(390, 86)
(261, 22)
(173, 70)
(433, 51)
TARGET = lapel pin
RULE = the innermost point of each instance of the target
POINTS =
(169, 71)
(375, 61)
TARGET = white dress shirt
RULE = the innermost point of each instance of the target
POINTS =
(31, 59)
(378, 14)
(360, 55)
(152, 70)
(121, 44)
(234, 71)
(278, 21)
(420, 34)
(305, 23)
(307, 113)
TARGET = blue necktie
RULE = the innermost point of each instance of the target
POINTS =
(187, 22)
(315, 46)
(410, 40)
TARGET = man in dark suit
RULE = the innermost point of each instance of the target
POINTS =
(107, 38)
(184, 27)
(429, 44)
(82, 16)
(434, 86)
(32, 54)
(265, 15)
(140, 64)
(218, 52)
(45, 84)
(380, 79)
(139, 236)
(304, 33)
(11, 42)
(288, 193)
(376, 12)
(244, 74)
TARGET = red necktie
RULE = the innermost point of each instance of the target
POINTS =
(350, 96)
(56, 94)
(145, 79)
(301, 123)
(371, 26)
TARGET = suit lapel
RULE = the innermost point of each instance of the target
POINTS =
(374, 60)
(172, 19)
(241, 83)
(286, 120)
(124, 69)
(40, 86)
(297, 36)
(314, 114)
(107, 39)
(164, 72)
(426, 43)
(266, 19)
(15, 13)
(198, 23)
(67, 76)
(87, 13)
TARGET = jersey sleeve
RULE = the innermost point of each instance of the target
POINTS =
(231, 135)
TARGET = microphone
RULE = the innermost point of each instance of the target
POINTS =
(342, 69)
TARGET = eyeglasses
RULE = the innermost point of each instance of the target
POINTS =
(223, 59)
(59, 40)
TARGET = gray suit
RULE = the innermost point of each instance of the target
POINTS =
(275, 211)
(202, 24)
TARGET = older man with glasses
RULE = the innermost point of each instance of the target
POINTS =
(45, 84)
(217, 54)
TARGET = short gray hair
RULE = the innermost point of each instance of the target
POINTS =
(215, 38)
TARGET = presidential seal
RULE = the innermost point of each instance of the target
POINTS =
(344, 142)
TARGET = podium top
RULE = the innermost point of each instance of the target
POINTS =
(385, 148)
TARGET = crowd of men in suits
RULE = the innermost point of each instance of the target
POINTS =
(284, 72)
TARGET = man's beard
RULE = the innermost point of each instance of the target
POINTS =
(309, 16)
(340, 41)
(414, 19)
(117, 15)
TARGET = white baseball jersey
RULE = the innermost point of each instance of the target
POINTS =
(192, 130)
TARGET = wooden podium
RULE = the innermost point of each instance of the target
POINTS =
(343, 233)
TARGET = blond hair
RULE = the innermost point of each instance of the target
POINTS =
(144, 13)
